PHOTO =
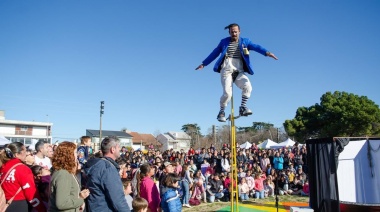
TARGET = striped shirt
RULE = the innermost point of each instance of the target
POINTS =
(233, 50)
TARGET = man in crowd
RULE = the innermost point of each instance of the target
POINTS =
(103, 179)
(42, 152)
(168, 168)
(215, 188)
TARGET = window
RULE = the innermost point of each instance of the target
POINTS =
(24, 128)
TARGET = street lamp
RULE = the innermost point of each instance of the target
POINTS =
(101, 114)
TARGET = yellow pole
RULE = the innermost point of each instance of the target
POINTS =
(234, 185)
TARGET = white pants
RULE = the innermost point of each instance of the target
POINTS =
(229, 66)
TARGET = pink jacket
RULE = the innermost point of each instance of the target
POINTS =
(198, 190)
(259, 183)
(149, 191)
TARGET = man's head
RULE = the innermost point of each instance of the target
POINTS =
(110, 147)
(42, 147)
(168, 167)
(234, 31)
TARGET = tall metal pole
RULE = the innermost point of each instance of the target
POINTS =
(100, 127)
(234, 187)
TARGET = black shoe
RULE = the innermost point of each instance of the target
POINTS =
(221, 116)
(244, 111)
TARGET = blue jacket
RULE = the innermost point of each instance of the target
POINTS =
(104, 183)
(221, 50)
(170, 201)
(278, 163)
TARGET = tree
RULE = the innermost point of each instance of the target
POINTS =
(193, 130)
(338, 114)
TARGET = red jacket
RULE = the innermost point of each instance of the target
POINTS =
(191, 152)
(21, 176)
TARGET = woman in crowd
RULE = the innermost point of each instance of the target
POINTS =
(199, 191)
(170, 198)
(283, 185)
(226, 163)
(147, 189)
(278, 161)
(269, 187)
(65, 194)
(264, 162)
(17, 180)
(186, 183)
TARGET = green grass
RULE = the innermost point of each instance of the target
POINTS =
(208, 207)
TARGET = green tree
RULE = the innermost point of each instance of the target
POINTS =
(193, 130)
(338, 114)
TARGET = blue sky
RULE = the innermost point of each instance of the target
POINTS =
(59, 59)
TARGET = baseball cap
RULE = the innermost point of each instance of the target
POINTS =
(167, 163)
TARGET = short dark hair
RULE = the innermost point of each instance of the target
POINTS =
(39, 145)
(139, 203)
(232, 25)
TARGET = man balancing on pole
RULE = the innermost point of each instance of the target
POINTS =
(233, 64)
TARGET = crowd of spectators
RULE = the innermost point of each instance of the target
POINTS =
(119, 179)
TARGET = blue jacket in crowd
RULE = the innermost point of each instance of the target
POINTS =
(221, 50)
(106, 188)
(278, 163)
(170, 201)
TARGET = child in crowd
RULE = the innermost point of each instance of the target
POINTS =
(259, 185)
(250, 181)
(305, 190)
(128, 191)
(139, 204)
(170, 201)
(241, 173)
(243, 190)
(268, 187)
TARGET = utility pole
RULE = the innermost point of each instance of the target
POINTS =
(101, 115)
(214, 133)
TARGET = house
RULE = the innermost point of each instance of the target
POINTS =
(125, 138)
(24, 131)
(175, 141)
(142, 141)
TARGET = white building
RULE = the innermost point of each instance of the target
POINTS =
(24, 131)
(175, 141)
(125, 138)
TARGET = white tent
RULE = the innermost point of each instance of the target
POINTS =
(266, 144)
(4, 141)
(358, 181)
(246, 145)
(288, 143)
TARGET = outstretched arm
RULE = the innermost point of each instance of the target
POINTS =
(270, 54)
(199, 67)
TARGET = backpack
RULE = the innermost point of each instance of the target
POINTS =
(194, 201)
(3, 202)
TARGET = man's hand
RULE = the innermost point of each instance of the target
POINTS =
(199, 67)
(270, 54)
